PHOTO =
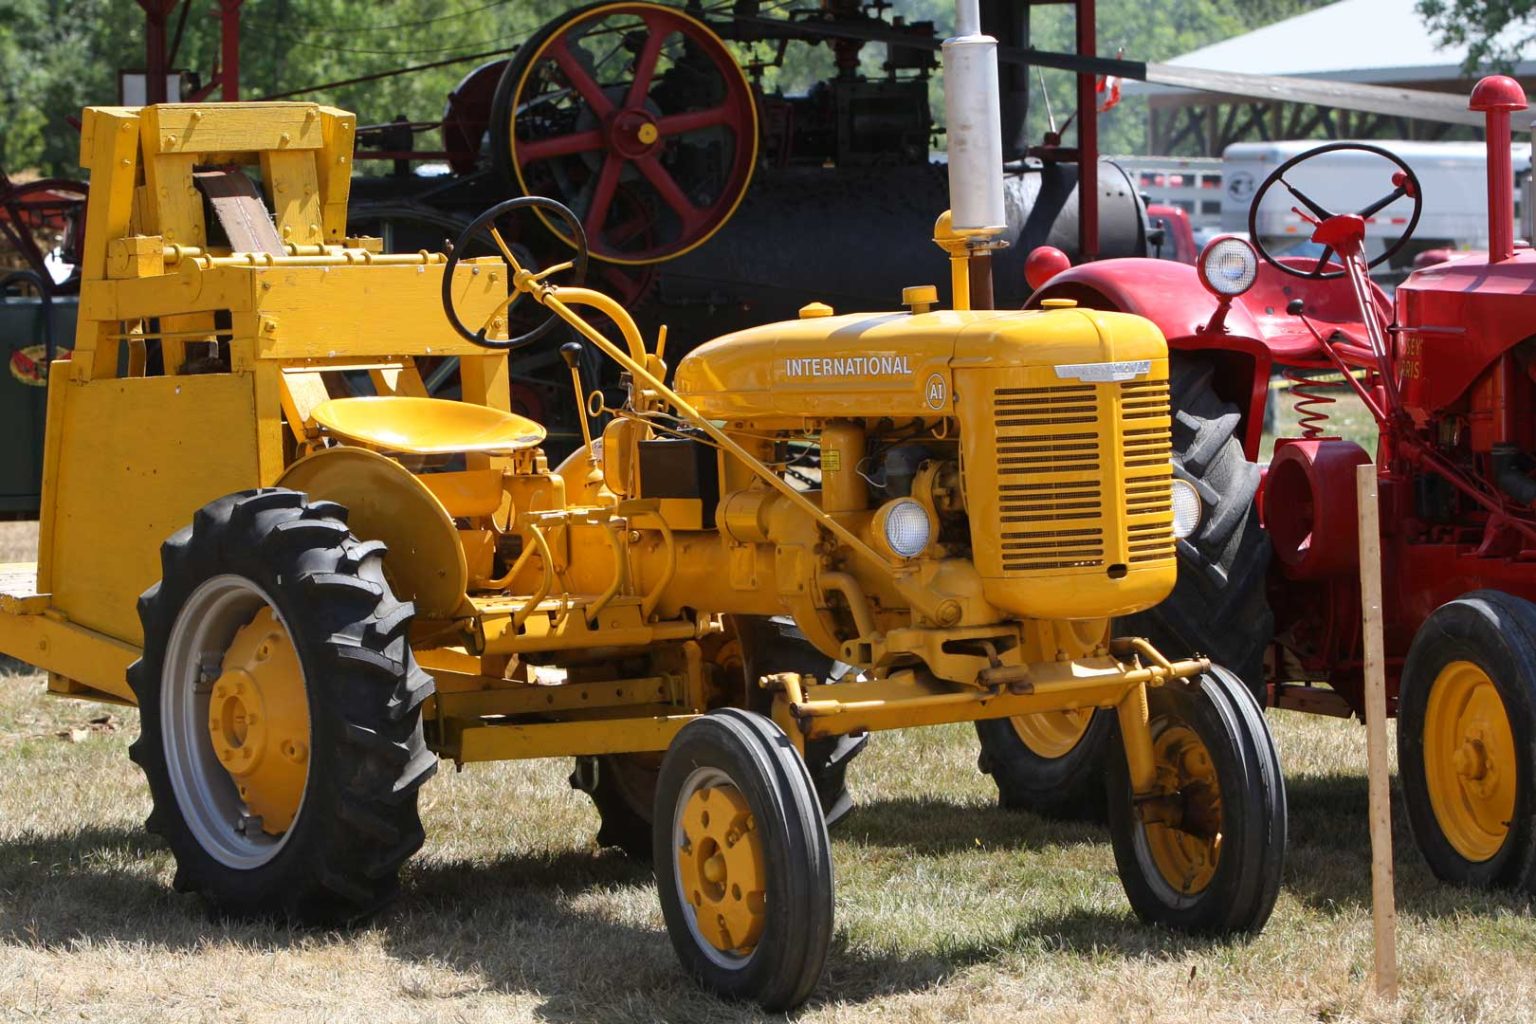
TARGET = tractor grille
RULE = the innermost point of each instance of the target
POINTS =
(1055, 464)
(1146, 459)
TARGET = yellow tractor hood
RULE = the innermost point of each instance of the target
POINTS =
(898, 364)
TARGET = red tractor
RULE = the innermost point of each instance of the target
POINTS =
(1269, 583)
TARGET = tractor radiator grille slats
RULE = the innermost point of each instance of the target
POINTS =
(1054, 468)
(1147, 457)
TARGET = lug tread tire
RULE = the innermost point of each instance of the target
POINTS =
(763, 763)
(359, 821)
(1219, 605)
(1241, 895)
(1065, 788)
(1496, 631)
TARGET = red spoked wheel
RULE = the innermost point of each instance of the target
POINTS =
(632, 98)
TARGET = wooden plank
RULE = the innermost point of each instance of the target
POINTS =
(1383, 905)
(291, 182)
(240, 210)
(208, 128)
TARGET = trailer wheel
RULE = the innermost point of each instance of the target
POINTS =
(623, 786)
(1206, 856)
(743, 866)
(1051, 763)
(1218, 607)
(281, 712)
(1466, 740)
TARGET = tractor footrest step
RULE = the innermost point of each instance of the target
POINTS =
(18, 589)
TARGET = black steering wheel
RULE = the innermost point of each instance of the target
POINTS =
(487, 222)
(1404, 182)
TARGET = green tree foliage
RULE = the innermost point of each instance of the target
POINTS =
(57, 56)
(1495, 32)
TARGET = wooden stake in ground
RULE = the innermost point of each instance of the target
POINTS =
(1383, 903)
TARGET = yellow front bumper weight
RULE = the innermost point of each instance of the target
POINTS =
(258, 720)
(720, 864)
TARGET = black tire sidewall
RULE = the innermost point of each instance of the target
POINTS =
(1241, 895)
(1496, 632)
(764, 766)
(1068, 787)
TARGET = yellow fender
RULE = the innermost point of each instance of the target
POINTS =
(386, 502)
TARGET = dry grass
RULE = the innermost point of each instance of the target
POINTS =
(948, 909)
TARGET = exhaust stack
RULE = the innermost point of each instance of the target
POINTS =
(1496, 97)
(972, 109)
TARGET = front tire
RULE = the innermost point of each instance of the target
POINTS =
(743, 866)
(281, 712)
(1206, 856)
(1466, 740)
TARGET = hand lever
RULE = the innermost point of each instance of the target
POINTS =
(571, 353)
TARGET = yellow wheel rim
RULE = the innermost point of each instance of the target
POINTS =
(720, 868)
(1185, 842)
(1469, 761)
(1052, 733)
(258, 721)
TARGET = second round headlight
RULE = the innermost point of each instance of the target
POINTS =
(1186, 509)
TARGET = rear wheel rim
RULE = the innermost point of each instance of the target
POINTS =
(213, 683)
(1469, 761)
(721, 874)
(1183, 851)
(1052, 734)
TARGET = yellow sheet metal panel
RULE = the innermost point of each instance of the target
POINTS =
(1064, 437)
(137, 458)
(868, 364)
(385, 502)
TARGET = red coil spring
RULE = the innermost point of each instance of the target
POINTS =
(1310, 401)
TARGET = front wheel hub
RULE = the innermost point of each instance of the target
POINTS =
(720, 867)
(1469, 758)
(258, 721)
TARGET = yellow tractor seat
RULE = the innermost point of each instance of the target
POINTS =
(426, 426)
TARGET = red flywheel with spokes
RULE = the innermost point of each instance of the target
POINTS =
(636, 116)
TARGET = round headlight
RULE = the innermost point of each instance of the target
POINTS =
(1228, 266)
(904, 526)
(1186, 509)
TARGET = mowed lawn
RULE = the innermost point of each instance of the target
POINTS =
(948, 909)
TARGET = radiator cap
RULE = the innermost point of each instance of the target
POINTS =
(1058, 303)
(811, 310)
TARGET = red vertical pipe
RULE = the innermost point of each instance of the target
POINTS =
(229, 49)
(154, 48)
(1496, 97)
(1087, 137)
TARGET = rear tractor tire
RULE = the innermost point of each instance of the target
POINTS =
(743, 867)
(1466, 741)
(1206, 856)
(1218, 608)
(281, 712)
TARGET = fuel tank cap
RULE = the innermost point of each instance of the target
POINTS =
(1058, 303)
(811, 310)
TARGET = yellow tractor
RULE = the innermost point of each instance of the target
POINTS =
(315, 581)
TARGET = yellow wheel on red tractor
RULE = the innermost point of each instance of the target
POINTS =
(281, 712)
(1204, 853)
(743, 867)
(1466, 736)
